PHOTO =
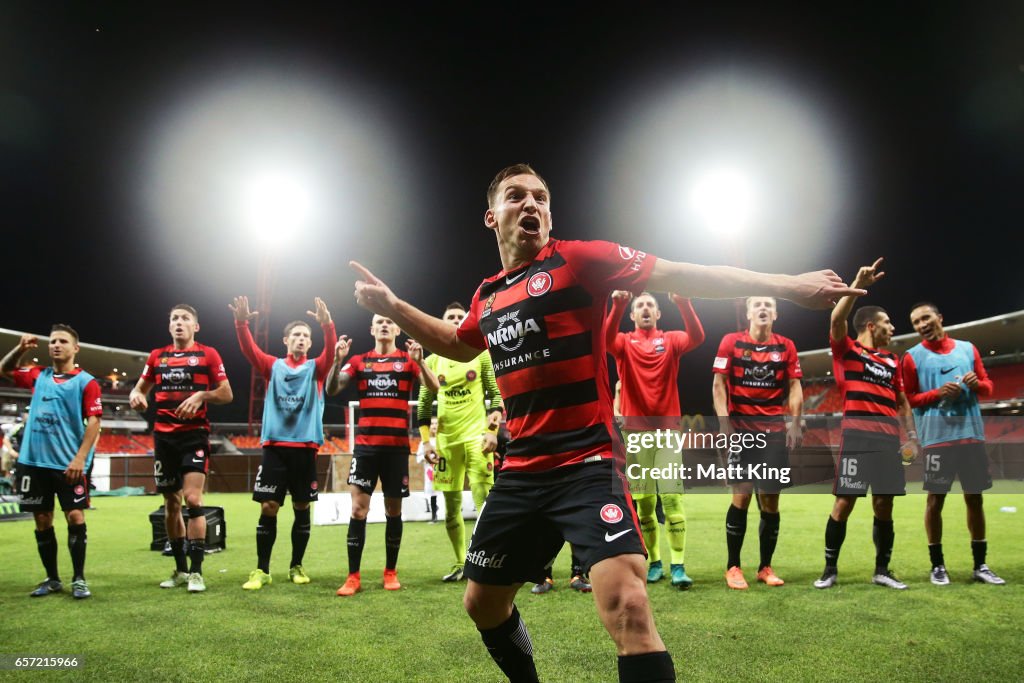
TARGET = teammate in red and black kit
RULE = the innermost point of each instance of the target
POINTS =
(871, 383)
(292, 432)
(541, 319)
(385, 379)
(187, 376)
(757, 381)
(945, 378)
(56, 450)
(647, 361)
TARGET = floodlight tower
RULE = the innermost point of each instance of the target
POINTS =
(276, 206)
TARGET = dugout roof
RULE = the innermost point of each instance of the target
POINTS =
(99, 361)
(1000, 336)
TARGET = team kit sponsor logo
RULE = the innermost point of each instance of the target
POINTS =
(482, 559)
(511, 332)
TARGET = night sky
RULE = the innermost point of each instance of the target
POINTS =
(112, 212)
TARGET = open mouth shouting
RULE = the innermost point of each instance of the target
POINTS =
(530, 225)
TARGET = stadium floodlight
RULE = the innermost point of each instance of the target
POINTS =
(723, 200)
(276, 205)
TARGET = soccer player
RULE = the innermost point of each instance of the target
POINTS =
(291, 434)
(871, 384)
(647, 361)
(187, 376)
(540, 318)
(944, 379)
(385, 379)
(466, 438)
(56, 449)
(757, 381)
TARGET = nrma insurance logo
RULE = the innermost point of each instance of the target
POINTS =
(511, 331)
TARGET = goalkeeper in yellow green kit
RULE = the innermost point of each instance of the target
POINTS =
(466, 439)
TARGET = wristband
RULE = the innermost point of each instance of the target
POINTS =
(424, 433)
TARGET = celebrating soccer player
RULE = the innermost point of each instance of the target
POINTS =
(757, 381)
(291, 434)
(944, 379)
(56, 449)
(540, 318)
(871, 383)
(647, 361)
(187, 376)
(385, 379)
(465, 437)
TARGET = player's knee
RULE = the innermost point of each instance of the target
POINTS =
(172, 503)
(973, 501)
(936, 502)
(646, 505)
(194, 499)
(44, 520)
(627, 606)
(269, 508)
(673, 505)
(73, 517)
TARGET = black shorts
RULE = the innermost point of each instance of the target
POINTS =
(942, 464)
(529, 516)
(869, 460)
(284, 470)
(38, 485)
(768, 467)
(390, 465)
(176, 453)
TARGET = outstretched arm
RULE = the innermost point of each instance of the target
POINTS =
(818, 289)
(693, 330)
(866, 276)
(620, 300)
(433, 333)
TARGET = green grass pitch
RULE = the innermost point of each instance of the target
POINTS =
(132, 630)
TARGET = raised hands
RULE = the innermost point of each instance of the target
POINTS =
(240, 308)
(322, 315)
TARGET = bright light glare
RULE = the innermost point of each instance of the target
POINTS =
(723, 199)
(733, 152)
(276, 206)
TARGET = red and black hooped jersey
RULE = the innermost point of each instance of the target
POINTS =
(176, 375)
(758, 373)
(870, 381)
(542, 325)
(385, 384)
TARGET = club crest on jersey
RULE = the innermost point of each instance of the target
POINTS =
(470, 375)
(441, 380)
(192, 360)
(398, 366)
(775, 356)
(539, 284)
(611, 513)
(511, 332)
(79, 490)
(199, 453)
(313, 485)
